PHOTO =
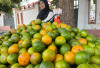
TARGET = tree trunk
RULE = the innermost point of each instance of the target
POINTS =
(67, 16)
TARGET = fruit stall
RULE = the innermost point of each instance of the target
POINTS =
(49, 45)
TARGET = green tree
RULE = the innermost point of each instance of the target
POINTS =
(7, 5)
(55, 3)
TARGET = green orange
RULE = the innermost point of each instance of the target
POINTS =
(15, 38)
(26, 43)
(31, 50)
(52, 34)
(4, 50)
(7, 43)
(16, 65)
(64, 48)
(38, 21)
(81, 57)
(62, 64)
(38, 46)
(49, 28)
(60, 40)
(85, 66)
(29, 66)
(12, 58)
(83, 33)
(3, 58)
(46, 64)
(22, 50)
(48, 55)
(36, 58)
(37, 36)
(37, 27)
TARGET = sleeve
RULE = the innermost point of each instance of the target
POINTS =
(50, 15)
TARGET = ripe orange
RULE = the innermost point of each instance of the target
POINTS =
(58, 57)
(69, 57)
(13, 49)
(54, 48)
(47, 39)
(43, 32)
(77, 48)
(24, 59)
(64, 25)
(83, 41)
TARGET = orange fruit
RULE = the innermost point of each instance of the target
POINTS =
(15, 45)
(24, 31)
(77, 48)
(83, 41)
(13, 49)
(24, 59)
(20, 41)
(26, 43)
(69, 57)
(37, 36)
(33, 22)
(54, 48)
(37, 27)
(22, 50)
(34, 40)
(22, 25)
(58, 57)
(55, 23)
(44, 25)
(18, 27)
(48, 55)
(60, 40)
(47, 39)
(58, 26)
(38, 21)
(64, 25)
(36, 58)
(49, 28)
(62, 64)
(43, 32)
(12, 58)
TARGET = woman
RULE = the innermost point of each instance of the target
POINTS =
(45, 14)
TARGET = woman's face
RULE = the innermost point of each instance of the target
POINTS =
(42, 5)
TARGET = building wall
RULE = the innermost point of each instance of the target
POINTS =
(1, 19)
(30, 15)
(83, 16)
(27, 15)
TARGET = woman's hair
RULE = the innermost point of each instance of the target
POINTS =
(44, 13)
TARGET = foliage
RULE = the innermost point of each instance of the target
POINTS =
(55, 3)
(7, 5)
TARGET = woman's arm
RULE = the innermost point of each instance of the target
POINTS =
(50, 15)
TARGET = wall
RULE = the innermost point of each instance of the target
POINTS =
(83, 16)
(1, 19)
(30, 15)
(9, 21)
